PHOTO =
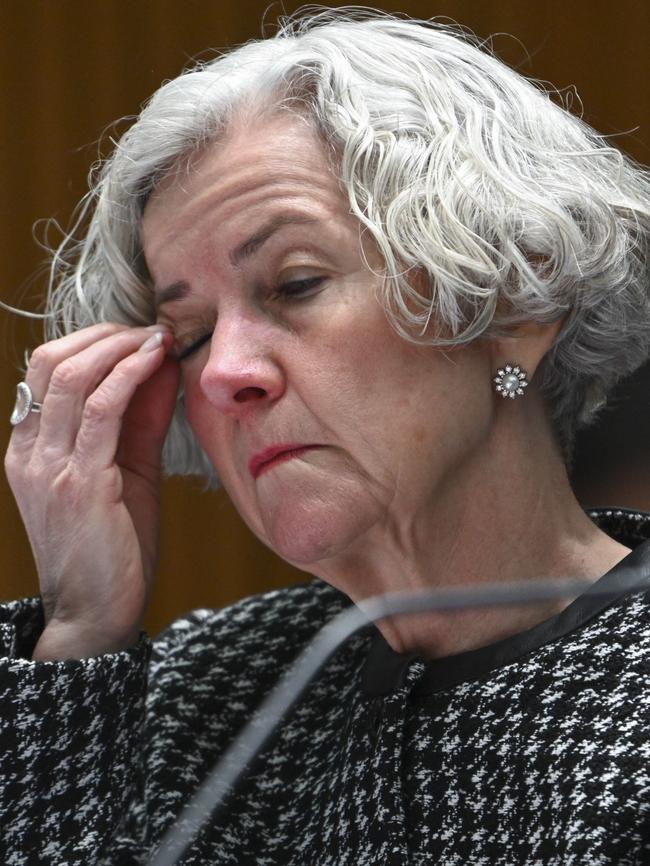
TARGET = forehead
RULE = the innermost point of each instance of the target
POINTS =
(278, 162)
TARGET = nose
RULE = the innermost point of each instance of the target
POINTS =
(241, 372)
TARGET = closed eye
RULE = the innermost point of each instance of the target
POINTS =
(195, 346)
(296, 288)
(291, 289)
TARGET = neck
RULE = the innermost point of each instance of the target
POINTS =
(507, 514)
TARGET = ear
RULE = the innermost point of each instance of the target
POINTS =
(525, 345)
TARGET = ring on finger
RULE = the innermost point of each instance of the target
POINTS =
(25, 404)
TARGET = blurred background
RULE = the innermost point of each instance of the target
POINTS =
(71, 68)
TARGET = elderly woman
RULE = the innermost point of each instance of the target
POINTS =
(373, 281)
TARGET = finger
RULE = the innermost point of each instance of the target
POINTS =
(101, 424)
(74, 380)
(147, 419)
(43, 361)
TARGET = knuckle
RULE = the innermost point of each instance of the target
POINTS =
(67, 490)
(97, 409)
(17, 466)
(40, 358)
(11, 464)
(22, 475)
(112, 327)
(65, 376)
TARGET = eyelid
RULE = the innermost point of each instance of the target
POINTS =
(191, 335)
(194, 346)
(307, 284)
(202, 334)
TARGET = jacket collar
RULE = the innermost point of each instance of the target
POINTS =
(384, 670)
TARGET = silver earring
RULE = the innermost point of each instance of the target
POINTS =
(511, 381)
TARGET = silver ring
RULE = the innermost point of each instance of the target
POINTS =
(25, 404)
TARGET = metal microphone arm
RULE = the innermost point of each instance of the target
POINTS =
(246, 745)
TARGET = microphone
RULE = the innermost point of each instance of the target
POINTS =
(226, 773)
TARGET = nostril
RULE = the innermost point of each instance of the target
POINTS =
(249, 394)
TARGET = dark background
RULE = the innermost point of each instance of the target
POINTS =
(70, 68)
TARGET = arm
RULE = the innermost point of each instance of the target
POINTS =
(70, 740)
(86, 476)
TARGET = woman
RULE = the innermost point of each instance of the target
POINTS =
(355, 240)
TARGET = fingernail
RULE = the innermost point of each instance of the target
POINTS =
(152, 343)
(158, 327)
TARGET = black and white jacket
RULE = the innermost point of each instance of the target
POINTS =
(532, 750)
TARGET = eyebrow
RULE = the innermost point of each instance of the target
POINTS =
(179, 289)
(250, 246)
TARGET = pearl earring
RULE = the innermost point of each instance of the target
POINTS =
(511, 381)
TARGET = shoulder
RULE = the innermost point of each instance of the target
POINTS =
(263, 630)
(211, 668)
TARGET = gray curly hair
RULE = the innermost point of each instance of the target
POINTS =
(458, 167)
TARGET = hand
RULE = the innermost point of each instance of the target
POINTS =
(86, 475)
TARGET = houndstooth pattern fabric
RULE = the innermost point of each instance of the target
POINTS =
(544, 760)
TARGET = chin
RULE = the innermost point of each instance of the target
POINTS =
(305, 534)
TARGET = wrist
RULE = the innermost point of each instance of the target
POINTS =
(63, 642)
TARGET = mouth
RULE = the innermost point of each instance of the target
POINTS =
(272, 457)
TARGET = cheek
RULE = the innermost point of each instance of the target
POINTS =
(208, 425)
(194, 401)
(440, 404)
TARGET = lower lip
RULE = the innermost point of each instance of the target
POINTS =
(281, 458)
